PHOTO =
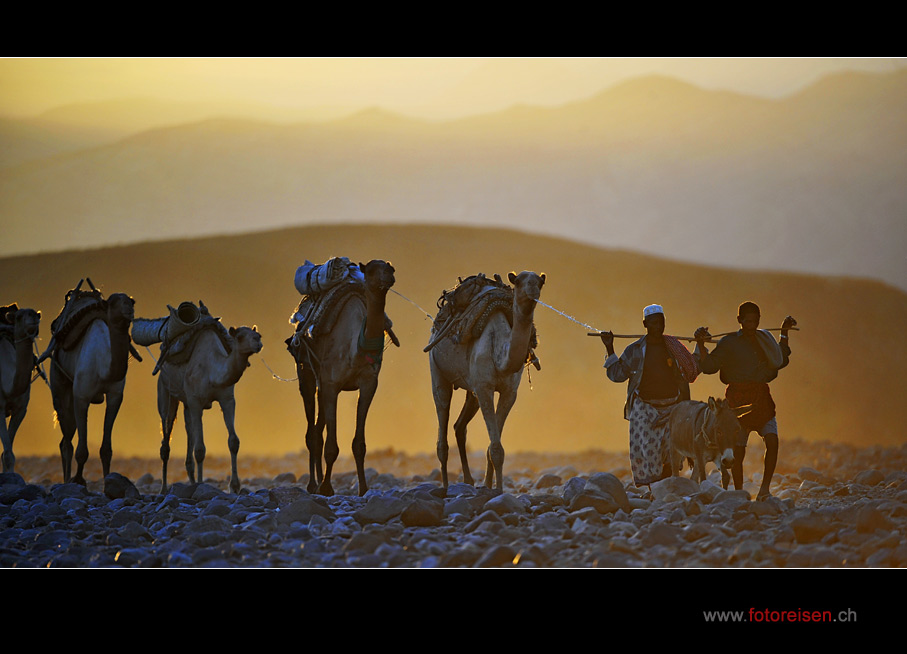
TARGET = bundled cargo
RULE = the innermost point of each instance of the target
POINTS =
(313, 279)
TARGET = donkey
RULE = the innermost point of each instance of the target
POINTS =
(701, 432)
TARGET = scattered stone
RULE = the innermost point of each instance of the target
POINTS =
(548, 480)
(380, 509)
(869, 478)
(611, 485)
(304, 510)
(117, 486)
(422, 513)
(810, 527)
(679, 486)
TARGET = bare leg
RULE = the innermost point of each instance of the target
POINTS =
(771, 459)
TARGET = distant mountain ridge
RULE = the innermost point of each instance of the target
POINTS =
(816, 182)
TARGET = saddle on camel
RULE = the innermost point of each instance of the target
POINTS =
(463, 312)
(326, 289)
(179, 332)
(80, 309)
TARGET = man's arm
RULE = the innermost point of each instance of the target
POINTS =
(708, 363)
(784, 341)
(618, 370)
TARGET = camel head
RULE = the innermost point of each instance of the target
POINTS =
(379, 275)
(120, 310)
(527, 288)
(27, 322)
(248, 340)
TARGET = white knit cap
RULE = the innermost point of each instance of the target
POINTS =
(652, 308)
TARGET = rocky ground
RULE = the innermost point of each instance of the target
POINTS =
(833, 505)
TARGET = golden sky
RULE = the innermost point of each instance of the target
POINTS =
(432, 87)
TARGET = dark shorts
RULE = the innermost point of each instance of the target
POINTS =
(771, 427)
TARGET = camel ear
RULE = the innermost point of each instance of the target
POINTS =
(713, 405)
(361, 266)
(232, 331)
(542, 277)
(254, 328)
(512, 277)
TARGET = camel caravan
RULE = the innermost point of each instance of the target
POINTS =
(482, 338)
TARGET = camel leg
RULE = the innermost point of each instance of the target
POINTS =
(196, 439)
(442, 394)
(114, 401)
(167, 407)
(467, 413)
(81, 410)
(228, 407)
(367, 392)
(7, 434)
(9, 461)
(495, 452)
(328, 413)
(63, 407)
(190, 444)
(314, 434)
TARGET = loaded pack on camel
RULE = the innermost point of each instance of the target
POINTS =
(179, 332)
(80, 309)
(464, 311)
(326, 289)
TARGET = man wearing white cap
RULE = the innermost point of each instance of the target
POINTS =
(659, 369)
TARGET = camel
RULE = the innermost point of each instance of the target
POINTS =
(345, 358)
(209, 375)
(491, 362)
(93, 369)
(16, 364)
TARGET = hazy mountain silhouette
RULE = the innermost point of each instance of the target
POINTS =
(816, 182)
(844, 382)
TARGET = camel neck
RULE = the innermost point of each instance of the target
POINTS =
(25, 363)
(119, 350)
(519, 337)
(374, 314)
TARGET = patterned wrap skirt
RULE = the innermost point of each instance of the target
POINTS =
(649, 445)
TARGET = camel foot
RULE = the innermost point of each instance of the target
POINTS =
(312, 487)
(9, 461)
(235, 486)
(163, 489)
(79, 479)
(363, 489)
(326, 489)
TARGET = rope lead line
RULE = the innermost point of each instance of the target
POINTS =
(571, 318)
(427, 314)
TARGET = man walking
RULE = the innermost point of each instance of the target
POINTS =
(659, 369)
(748, 360)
